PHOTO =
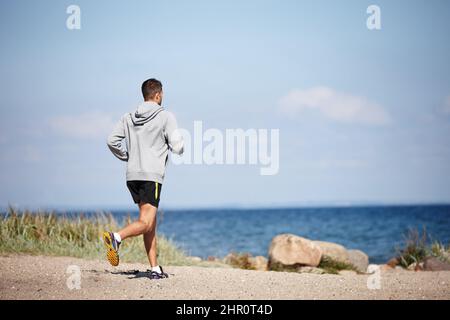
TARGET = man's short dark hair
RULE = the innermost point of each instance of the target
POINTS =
(151, 87)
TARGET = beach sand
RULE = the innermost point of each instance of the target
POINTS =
(42, 277)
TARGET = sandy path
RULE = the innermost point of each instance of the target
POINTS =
(38, 277)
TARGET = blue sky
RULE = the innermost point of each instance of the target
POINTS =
(231, 64)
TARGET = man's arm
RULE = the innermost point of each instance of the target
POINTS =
(172, 135)
(115, 141)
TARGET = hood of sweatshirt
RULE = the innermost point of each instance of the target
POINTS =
(145, 112)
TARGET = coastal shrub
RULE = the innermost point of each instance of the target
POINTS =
(439, 251)
(48, 233)
(415, 248)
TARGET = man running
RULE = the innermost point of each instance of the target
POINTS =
(149, 133)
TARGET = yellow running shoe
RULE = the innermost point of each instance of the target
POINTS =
(112, 248)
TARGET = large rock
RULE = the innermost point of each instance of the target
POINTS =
(358, 259)
(290, 250)
(333, 250)
(434, 264)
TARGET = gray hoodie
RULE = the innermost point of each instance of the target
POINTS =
(149, 133)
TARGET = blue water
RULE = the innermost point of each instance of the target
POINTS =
(374, 230)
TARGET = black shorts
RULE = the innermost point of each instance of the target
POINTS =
(145, 191)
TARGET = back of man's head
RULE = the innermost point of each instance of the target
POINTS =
(150, 88)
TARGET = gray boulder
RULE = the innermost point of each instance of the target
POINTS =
(434, 264)
(358, 259)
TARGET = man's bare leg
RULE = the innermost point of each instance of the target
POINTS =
(150, 245)
(146, 221)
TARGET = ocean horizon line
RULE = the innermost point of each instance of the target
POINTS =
(234, 207)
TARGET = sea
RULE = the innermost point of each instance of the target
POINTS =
(379, 231)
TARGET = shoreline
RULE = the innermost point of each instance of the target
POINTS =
(178, 229)
(47, 277)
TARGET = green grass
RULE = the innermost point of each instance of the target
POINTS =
(49, 234)
(327, 264)
(440, 251)
(333, 266)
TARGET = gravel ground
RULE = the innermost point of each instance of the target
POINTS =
(41, 277)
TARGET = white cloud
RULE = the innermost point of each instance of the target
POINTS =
(334, 105)
(84, 126)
